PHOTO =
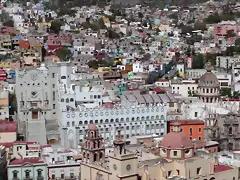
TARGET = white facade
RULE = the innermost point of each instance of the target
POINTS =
(185, 89)
(133, 120)
(61, 163)
(226, 61)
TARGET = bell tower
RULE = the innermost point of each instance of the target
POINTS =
(93, 149)
(122, 163)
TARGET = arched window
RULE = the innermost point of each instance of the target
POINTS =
(80, 122)
(63, 77)
(106, 121)
(162, 117)
(230, 130)
(95, 157)
(73, 123)
(62, 100)
(68, 124)
(85, 122)
(71, 99)
(67, 100)
(101, 155)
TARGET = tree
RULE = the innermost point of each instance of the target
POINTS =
(112, 34)
(9, 23)
(100, 63)
(185, 29)
(213, 19)
(200, 26)
(56, 26)
(66, 11)
(211, 58)
(198, 61)
(140, 15)
(230, 34)
(64, 54)
(173, 16)
(236, 94)
(226, 92)
(101, 23)
(152, 77)
(237, 42)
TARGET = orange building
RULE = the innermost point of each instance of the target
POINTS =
(193, 128)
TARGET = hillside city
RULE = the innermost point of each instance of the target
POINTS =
(120, 90)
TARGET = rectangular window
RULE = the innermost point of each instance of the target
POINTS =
(169, 173)
(171, 104)
(53, 95)
(196, 114)
(62, 176)
(199, 138)
(53, 176)
(199, 129)
(35, 115)
(53, 75)
(174, 153)
(27, 174)
(15, 174)
(190, 131)
(54, 106)
(71, 175)
(178, 172)
(198, 170)
(39, 172)
(53, 85)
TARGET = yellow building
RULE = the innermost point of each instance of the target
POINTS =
(177, 160)
(122, 163)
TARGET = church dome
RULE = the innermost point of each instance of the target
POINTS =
(208, 79)
(176, 140)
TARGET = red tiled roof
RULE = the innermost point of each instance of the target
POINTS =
(26, 161)
(8, 126)
(230, 99)
(7, 144)
(24, 142)
(220, 168)
(158, 90)
(187, 122)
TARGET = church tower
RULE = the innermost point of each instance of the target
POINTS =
(93, 149)
(122, 163)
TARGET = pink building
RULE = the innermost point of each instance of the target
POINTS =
(221, 29)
